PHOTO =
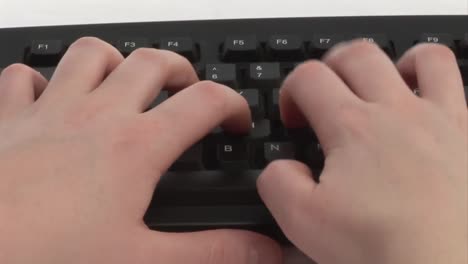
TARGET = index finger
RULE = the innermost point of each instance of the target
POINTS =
(314, 94)
(191, 114)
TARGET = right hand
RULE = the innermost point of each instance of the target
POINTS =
(394, 185)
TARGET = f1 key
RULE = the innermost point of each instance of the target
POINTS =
(45, 52)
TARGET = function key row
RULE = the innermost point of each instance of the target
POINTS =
(49, 52)
(289, 47)
(244, 48)
(183, 46)
(294, 48)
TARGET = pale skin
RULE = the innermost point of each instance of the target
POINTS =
(80, 158)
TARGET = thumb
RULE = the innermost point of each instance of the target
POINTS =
(213, 247)
(287, 189)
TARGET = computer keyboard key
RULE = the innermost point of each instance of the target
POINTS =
(278, 150)
(207, 188)
(438, 38)
(192, 159)
(380, 40)
(312, 155)
(273, 104)
(463, 65)
(240, 48)
(301, 135)
(127, 46)
(254, 100)
(464, 46)
(233, 155)
(286, 48)
(265, 75)
(45, 52)
(163, 95)
(261, 129)
(222, 73)
(466, 94)
(47, 72)
(320, 44)
(183, 46)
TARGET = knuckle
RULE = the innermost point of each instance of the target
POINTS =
(18, 69)
(310, 70)
(313, 68)
(351, 113)
(89, 42)
(213, 94)
(103, 48)
(151, 56)
(362, 47)
(356, 120)
(356, 49)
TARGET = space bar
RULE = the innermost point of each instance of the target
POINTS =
(207, 188)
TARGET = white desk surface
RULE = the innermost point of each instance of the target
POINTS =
(16, 13)
(49, 12)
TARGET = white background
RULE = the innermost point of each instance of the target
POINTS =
(49, 12)
(15, 13)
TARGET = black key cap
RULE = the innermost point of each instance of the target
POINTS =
(466, 95)
(278, 150)
(286, 48)
(265, 75)
(182, 46)
(260, 129)
(313, 156)
(47, 72)
(301, 135)
(273, 105)
(254, 101)
(445, 39)
(464, 46)
(45, 52)
(320, 44)
(379, 39)
(127, 46)
(240, 215)
(240, 48)
(463, 65)
(192, 159)
(222, 73)
(163, 95)
(233, 155)
(208, 187)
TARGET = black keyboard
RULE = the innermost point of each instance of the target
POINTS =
(213, 185)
